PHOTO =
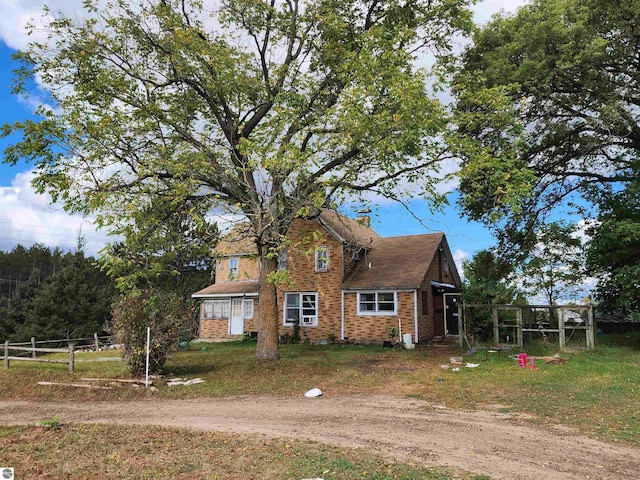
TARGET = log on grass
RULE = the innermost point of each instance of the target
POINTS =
(75, 385)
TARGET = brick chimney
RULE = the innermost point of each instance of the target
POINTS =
(364, 220)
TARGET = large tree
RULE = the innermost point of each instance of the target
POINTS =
(555, 267)
(549, 99)
(267, 109)
(613, 255)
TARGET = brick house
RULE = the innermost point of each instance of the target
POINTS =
(347, 283)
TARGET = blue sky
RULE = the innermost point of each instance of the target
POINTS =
(26, 217)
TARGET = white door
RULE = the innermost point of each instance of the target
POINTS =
(236, 319)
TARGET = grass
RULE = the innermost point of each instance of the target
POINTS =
(595, 391)
(127, 452)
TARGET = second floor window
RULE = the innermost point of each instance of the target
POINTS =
(233, 267)
(322, 258)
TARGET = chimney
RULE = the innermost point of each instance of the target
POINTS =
(364, 220)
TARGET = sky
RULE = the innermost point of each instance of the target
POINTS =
(27, 217)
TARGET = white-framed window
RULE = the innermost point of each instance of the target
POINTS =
(377, 303)
(233, 267)
(301, 307)
(248, 308)
(322, 258)
(216, 309)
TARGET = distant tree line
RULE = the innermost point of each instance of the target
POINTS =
(48, 293)
(51, 294)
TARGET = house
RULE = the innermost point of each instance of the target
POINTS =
(347, 283)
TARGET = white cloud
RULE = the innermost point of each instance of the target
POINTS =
(459, 256)
(484, 10)
(27, 218)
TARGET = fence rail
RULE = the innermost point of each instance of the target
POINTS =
(70, 350)
(74, 344)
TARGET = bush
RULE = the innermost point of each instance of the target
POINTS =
(167, 314)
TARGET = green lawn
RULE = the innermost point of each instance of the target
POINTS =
(596, 391)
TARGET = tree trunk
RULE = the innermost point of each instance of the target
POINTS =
(268, 348)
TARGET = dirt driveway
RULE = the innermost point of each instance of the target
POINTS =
(501, 445)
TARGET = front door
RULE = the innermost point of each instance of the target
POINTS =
(438, 316)
(236, 326)
(452, 315)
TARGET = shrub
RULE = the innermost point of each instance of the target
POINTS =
(167, 314)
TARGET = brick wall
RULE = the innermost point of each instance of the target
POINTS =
(248, 269)
(214, 328)
(304, 235)
(372, 328)
(440, 270)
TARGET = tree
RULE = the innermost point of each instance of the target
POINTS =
(487, 279)
(548, 100)
(166, 314)
(614, 251)
(555, 267)
(75, 302)
(53, 294)
(166, 248)
(266, 110)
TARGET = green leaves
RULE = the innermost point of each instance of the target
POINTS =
(253, 109)
(547, 96)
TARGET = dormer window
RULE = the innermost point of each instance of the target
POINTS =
(233, 267)
(322, 258)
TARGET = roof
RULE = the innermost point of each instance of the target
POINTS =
(229, 289)
(395, 262)
(239, 241)
(347, 229)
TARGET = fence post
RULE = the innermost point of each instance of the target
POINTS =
(591, 327)
(6, 354)
(562, 339)
(33, 345)
(95, 339)
(71, 357)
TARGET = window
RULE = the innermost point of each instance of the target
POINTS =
(233, 267)
(216, 309)
(248, 308)
(322, 258)
(301, 308)
(283, 259)
(377, 303)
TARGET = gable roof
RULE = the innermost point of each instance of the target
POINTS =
(396, 262)
(238, 241)
(347, 229)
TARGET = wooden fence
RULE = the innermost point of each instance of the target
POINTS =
(70, 360)
(510, 327)
(91, 343)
